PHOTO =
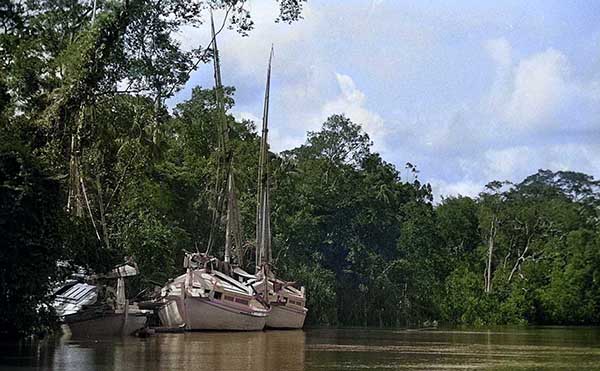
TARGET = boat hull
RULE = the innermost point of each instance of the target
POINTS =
(282, 317)
(207, 314)
(170, 314)
(107, 325)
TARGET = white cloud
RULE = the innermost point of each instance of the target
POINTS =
(504, 163)
(571, 156)
(442, 188)
(281, 140)
(540, 88)
(415, 77)
(349, 90)
(500, 51)
(247, 116)
(351, 102)
(247, 56)
(514, 163)
(537, 94)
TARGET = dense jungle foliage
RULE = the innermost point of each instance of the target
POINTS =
(95, 167)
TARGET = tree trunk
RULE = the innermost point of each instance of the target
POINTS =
(87, 202)
(102, 216)
(520, 260)
(74, 202)
(491, 240)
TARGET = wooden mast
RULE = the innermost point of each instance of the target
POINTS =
(216, 207)
(263, 219)
(232, 214)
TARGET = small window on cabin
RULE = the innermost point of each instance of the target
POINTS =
(242, 301)
(228, 298)
(218, 295)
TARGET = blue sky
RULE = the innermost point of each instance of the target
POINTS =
(468, 91)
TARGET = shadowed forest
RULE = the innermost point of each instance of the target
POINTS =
(95, 167)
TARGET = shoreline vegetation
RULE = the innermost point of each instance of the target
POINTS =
(94, 167)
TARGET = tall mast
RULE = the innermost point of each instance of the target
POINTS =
(226, 184)
(218, 184)
(263, 219)
(224, 139)
(223, 127)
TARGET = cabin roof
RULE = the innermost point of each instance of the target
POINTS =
(70, 299)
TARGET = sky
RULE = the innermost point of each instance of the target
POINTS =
(468, 91)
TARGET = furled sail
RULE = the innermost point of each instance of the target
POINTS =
(263, 212)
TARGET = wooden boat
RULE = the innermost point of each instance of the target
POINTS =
(205, 298)
(287, 302)
(209, 296)
(93, 323)
(98, 310)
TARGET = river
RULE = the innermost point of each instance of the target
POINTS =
(548, 348)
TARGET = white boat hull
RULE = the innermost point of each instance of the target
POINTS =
(283, 317)
(170, 314)
(207, 314)
(107, 325)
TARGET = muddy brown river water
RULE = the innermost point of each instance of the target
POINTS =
(549, 348)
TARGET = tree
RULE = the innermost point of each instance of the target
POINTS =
(82, 87)
(459, 225)
(32, 223)
(490, 219)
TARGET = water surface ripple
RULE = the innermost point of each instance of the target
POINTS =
(549, 348)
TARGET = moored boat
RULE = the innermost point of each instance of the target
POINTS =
(105, 324)
(287, 302)
(93, 309)
(205, 298)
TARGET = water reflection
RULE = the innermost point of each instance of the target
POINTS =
(320, 349)
(273, 350)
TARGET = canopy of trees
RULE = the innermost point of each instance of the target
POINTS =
(99, 169)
